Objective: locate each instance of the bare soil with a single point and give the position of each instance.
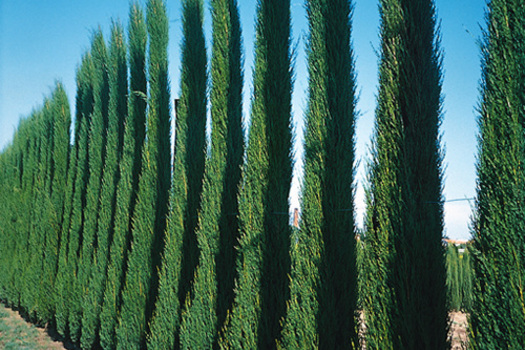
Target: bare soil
(458, 330)
(18, 333)
(44, 338)
(458, 334)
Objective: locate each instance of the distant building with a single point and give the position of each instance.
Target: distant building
(296, 218)
(461, 244)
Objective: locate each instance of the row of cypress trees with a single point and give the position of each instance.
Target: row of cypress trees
(34, 173)
(120, 246)
(459, 278)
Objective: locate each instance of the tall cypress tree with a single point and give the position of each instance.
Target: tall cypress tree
(213, 286)
(61, 284)
(17, 264)
(323, 279)
(14, 219)
(118, 90)
(180, 253)
(263, 263)
(466, 279)
(497, 318)
(68, 298)
(5, 209)
(130, 166)
(405, 302)
(11, 181)
(453, 277)
(149, 219)
(61, 119)
(19, 206)
(13, 222)
(96, 157)
(40, 223)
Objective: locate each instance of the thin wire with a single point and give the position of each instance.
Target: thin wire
(453, 200)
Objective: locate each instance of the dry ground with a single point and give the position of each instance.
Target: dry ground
(458, 330)
(18, 334)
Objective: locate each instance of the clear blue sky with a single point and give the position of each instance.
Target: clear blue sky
(42, 41)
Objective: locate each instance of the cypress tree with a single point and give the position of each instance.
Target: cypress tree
(72, 296)
(41, 214)
(405, 302)
(497, 317)
(129, 170)
(5, 177)
(6, 229)
(323, 279)
(24, 209)
(61, 284)
(96, 155)
(453, 277)
(188, 167)
(13, 185)
(27, 274)
(459, 278)
(118, 90)
(263, 263)
(8, 232)
(61, 119)
(18, 208)
(11, 218)
(149, 219)
(217, 234)
(466, 280)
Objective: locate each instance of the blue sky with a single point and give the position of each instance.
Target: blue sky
(42, 41)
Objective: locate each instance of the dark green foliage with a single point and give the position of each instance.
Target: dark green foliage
(263, 262)
(66, 295)
(9, 186)
(20, 200)
(180, 255)
(40, 224)
(213, 285)
(323, 278)
(453, 277)
(405, 300)
(12, 182)
(60, 282)
(190, 147)
(466, 279)
(360, 263)
(129, 170)
(497, 317)
(118, 90)
(35, 176)
(459, 278)
(96, 157)
(5, 229)
(149, 219)
(22, 162)
(70, 293)
(74, 196)
(33, 183)
(61, 120)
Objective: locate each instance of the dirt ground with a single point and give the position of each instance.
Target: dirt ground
(17, 333)
(24, 335)
(458, 330)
